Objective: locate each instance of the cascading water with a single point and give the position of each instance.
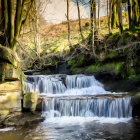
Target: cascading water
(76, 95)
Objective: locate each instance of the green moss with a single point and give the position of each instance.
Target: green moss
(119, 68)
(30, 101)
(76, 63)
(131, 74)
(113, 54)
(114, 36)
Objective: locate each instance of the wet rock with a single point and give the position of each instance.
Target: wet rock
(9, 56)
(8, 72)
(136, 105)
(30, 101)
(10, 100)
(22, 119)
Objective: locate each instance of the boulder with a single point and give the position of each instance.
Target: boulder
(9, 56)
(30, 101)
(8, 72)
(10, 98)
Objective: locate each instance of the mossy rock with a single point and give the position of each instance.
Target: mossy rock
(30, 101)
(8, 72)
(13, 85)
(10, 98)
(9, 56)
(77, 62)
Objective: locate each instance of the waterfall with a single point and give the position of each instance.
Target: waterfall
(65, 84)
(66, 97)
(120, 107)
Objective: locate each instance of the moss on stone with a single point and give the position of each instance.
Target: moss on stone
(30, 101)
(7, 55)
(8, 72)
(76, 62)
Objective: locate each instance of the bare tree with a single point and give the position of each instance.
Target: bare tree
(110, 15)
(92, 25)
(119, 9)
(68, 21)
(37, 37)
(99, 14)
(80, 27)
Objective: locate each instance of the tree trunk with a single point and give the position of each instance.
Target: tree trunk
(99, 14)
(114, 14)
(11, 23)
(109, 13)
(80, 27)
(130, 14)
(6, 16)
(135, 9)
(37, 37)
(92, 26)
(119, 9)
(68, 21)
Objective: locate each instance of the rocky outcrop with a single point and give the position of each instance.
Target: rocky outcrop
(9, 56)
(30, 101)
(10, 99)
(10, 82)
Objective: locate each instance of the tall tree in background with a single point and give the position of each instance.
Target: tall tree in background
(99, 13)
(37, 37)
(114, 21)
(68, 21)
(130, 13)
(135, 9)
(92, 18)
(119, 9)
(79, 17)
(110, 15)
(13, 15)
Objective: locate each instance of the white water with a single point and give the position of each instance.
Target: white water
(65, 99)
(66, 85)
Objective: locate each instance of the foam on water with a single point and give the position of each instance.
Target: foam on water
(66, 85)
(7, 129)
(82, 120)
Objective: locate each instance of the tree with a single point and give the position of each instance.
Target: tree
(135, 9)
(80, 28)
(12, 20)
(119, 9)
(109, 15)
(114, 14)
(92, 18)
(68, 21)
(130, 13)
(99, 13)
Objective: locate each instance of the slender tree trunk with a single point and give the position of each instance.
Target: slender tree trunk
(94, 12)
(92, 26)
(68, 21)
(11, 23)
(37, 37)
(6, 16)
(99, 14)
(80, 27)
(119, 9)
(130, 14)
(110, 15)
(135, 9)
(114, 14)
(126, 12)
(0, 14)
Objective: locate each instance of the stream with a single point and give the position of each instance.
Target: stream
(77, 107)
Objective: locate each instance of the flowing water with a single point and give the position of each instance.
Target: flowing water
(77, 107)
